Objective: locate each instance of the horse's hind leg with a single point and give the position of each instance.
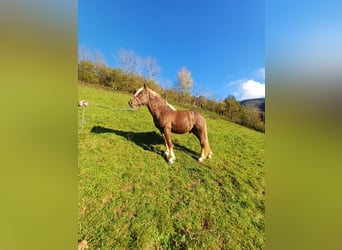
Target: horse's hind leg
(202, 157)
(201, 134)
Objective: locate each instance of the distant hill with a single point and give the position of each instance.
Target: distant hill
(257, 103)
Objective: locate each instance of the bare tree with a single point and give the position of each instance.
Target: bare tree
(99, 58)
(213, 97)
(138, 65)
(84, 54)
(151, 68)
(129, 62)
(185, 82)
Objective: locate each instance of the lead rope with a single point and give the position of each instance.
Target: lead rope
(84, 104)
(105, 107)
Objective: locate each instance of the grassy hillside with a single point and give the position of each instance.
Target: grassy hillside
(131, 198)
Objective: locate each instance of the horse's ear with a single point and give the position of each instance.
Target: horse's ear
(145, 87)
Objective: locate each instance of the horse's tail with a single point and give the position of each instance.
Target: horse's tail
(207, 150)
(200, 130)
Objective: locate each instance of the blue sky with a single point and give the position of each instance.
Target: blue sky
(220, 42)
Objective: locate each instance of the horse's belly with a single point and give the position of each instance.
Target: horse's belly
(182, 122)
(180, 128)
(178, 131)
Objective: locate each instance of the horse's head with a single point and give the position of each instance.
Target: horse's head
(140, 98)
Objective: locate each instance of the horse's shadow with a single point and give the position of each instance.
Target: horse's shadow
(146, 140)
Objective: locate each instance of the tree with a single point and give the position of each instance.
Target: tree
(102, 71)
(87, 72)
(211, 105)
(202, 102)
(104, 75)
(221, 107)
(84, 54)
(129, 62)
(233, 109)
(99, 58)
(151, 68)
(185, 82)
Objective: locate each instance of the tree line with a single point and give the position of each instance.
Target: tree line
(133, 72)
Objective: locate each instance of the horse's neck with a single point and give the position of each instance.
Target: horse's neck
(156, 105)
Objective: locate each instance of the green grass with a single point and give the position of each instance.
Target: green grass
(131, 198)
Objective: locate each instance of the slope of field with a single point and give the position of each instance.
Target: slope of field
(130, 197)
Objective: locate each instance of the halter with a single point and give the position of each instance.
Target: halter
(139, 103)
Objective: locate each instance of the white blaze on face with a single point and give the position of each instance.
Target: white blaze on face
(138, 91)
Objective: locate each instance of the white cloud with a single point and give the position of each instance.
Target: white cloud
(236, 82)
(252, 86)
(250, 89)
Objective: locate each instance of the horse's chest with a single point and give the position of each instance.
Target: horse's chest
(157, 123)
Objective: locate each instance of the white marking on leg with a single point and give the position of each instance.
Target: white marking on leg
(167, 152)
(202, 157)
(172, 156)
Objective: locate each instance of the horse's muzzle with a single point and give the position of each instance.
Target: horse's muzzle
(130, 103)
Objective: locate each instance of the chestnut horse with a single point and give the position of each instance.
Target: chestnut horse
(167, 119)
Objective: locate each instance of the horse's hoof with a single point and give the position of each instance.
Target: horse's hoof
(171, 161)
(200, 159)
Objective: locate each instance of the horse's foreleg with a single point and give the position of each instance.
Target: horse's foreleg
(202, 157)
(167, 152)
(168, 139)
